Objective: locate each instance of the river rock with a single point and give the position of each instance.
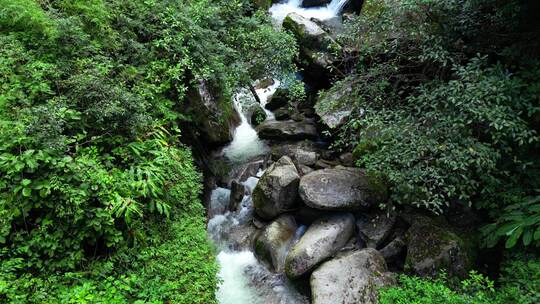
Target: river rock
(432, 247)
(341, 188)
(279, 99)
(275, 240)
(393, 250)
(374, 228)
(282, 114)
(237, 194)
(350, 279)
(335, 105)
(303, 157)
(315, 47)
(323, 238)
(277, 190)
(287, 130)
(212, 113)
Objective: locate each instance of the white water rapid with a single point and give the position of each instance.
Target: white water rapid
(280, 10)
(244, 279)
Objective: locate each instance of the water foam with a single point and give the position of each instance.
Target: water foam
(280, 10)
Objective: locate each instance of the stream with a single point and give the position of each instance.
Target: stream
(244, 280)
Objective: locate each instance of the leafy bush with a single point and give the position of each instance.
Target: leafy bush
(95, 182)
(519, 283)
(438, 112)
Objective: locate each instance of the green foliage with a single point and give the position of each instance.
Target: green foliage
(95, 183)
(518, 283)
(520, 220)
(475, 290)
(439, 113)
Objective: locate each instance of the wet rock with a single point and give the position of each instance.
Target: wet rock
(303, 170)
(210, 111)
(432, 247)
(341, 188)
(277, 190)
(237, 194)
(257, 116)
(335, 106)
(288, 148)
(323, 238)
(394, 249)
(374, 228)
(275, 240)
(315, 47)
(325, 164)
(303, 157)
(350, 279)
(279, 99)
(287, 130)
(347, 159)
(282, 114)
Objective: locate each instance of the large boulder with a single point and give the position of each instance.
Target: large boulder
(275, 240)
(316, 47)
(287, 130)
(374, 228)
(334, 106)
(432, 247)
(323, 239)
(350, 279)
(341, 188)
(212, 113)
(279, 99)
(277, 190)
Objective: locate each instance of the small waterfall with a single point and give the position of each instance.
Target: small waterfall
(280, 10)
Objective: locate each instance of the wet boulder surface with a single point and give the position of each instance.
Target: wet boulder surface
(351, 278)
(323, 238)
(340, 188)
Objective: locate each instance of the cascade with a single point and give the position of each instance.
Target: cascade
(280, 10)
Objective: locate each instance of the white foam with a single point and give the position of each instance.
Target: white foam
(280, 10)
(234, 287)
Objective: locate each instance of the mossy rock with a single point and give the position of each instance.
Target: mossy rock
(258, 116)
(433, 247)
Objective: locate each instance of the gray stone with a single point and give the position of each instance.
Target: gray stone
(277, 190)
(392, 251)
(375, 227)
(323, 238)
(350, 279)
(287, 130)
(341, 188)
(432, 247)
(275, 240)
(303, 157)
(237, 194)
(212, 113)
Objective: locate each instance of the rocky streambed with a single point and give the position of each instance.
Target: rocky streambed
(295, 222)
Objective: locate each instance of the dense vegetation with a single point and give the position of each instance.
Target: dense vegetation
(518, 284)
(446, 105)
(99, 198)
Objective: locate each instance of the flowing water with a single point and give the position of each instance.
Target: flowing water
(244, 279)
(280, 10)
